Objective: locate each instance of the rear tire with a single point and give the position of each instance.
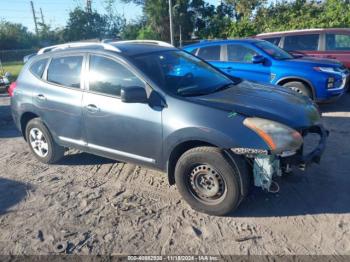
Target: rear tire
(209, 181)
(300, 88)
(41, 143)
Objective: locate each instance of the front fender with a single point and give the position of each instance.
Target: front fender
(240, 137)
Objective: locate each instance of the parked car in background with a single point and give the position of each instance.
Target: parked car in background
(333, 43)
(4, 79)
(259, 60)
(150, 103)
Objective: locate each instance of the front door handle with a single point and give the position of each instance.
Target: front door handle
(41, 97)
(92, 108)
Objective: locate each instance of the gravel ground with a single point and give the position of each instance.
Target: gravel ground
(92, 205)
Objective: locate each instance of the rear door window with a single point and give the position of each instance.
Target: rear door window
(211, 53)
(106, 76)
(38, 67)
(273, 40)
(65, 71)
(240, 53)
(337, 42)
(301, 42)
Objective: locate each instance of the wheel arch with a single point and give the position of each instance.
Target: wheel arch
(176, 154)
(24, 120)
(187, 145)
(285, 80)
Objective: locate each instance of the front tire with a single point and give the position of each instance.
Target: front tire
(209, 182)
(299, 87)
(41, 143)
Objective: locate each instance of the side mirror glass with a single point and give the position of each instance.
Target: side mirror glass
(133, 94)
(258, 59)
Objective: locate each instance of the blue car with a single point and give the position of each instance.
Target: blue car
(259, 60)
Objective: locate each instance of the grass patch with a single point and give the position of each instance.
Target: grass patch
(13, 67)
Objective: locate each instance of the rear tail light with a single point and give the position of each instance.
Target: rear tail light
(11, 88)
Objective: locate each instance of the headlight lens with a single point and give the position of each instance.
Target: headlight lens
(277, 136)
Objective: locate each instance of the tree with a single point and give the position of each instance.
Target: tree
(88, 25)
(15, 36)
(244, 8)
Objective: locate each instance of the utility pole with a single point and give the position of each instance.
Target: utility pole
(88, 6)
(42, 16)
(34, 17)
(171, 23)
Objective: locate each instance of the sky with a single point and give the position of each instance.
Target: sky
(55, 12)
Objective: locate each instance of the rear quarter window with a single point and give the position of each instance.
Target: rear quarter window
(301, 42)
(38, 67)
(211, 53)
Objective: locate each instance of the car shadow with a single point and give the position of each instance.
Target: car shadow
(7, 126)
(82, 158)
(341, 105)
(300, 194)
(11, 193)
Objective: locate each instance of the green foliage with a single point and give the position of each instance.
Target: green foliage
(242, 29)
(131, 31)
(196, 18)
(13, 67)
(147, 33)
(15, 36)
(298, 14)
(89, 25)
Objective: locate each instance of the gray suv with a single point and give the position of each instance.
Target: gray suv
(149, 103)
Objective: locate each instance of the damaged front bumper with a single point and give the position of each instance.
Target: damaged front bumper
(267, 165)
(300, 158)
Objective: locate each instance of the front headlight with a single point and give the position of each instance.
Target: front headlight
(277, 136)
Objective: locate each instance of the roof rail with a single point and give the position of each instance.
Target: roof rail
(155, 42)
(78, 44)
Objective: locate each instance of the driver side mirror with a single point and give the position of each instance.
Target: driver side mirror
(258, 59)
(133, 94)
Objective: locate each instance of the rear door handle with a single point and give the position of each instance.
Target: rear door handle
(92, 108)
(41, 97)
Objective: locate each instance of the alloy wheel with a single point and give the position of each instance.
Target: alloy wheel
(38, 142)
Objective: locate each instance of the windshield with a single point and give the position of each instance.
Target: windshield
(182, 74)
(274, 51)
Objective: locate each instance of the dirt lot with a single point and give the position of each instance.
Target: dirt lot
(87, 204)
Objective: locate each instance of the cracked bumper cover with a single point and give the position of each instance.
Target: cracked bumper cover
(315, 155)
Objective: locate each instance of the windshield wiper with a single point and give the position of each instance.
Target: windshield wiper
(223, 87)
(191, 91)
